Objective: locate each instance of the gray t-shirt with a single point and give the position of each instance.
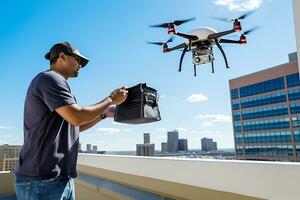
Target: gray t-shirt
(50, 143)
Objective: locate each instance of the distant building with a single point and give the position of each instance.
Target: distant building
(215, 146)
(79, 148)
(145, 149)
(182, 145)
(207, 144)
(164, 147)
(89, 148)
(9, 156)
(146, 138)
(172, 142)
(94, 150)
(266, 113)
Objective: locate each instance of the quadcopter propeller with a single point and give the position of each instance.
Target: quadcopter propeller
(170, 25)
(164, 44)
(232, 20)
(243, 35)
(177, 23)
(250, 30)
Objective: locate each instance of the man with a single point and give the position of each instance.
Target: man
(52, 122)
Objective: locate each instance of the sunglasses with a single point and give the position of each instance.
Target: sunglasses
(76, 58)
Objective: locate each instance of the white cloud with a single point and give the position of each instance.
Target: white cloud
(181, 129)
(215, 117)
(206, 124)
(197, 98)
(239, 5)
(163, 96)
(194, 131)
(117, 123)
(6, 135)
(108, 130)
(5, 127)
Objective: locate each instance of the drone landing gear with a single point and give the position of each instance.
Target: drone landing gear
(195, 70)
(222, 51)
(182, 55)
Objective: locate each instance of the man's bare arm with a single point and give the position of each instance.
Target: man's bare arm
(89, 125)
(77, 115)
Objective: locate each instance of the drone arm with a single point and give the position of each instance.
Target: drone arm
(181, 58)
(230, 41)
(222, 51)
(220, 34)
(189, 37)
(183, 45)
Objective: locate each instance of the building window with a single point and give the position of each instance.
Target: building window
(265, 112)
(296, 121)
(262, 87)
(294, 94)
(236, 116)
(293, 80)
(297, 136)
(239, 139)
(263, 100)
(295, 108)
(235, 93)
(237, 127)
(281, 123)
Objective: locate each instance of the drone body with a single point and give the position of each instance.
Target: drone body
(200, 41)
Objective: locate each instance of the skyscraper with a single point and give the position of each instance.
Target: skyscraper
(146, 138)
(207, 144)
(89, 148)
(182, 145)
(266, 113)
(164, 147)
(94, 150)
(9, 156)
(172, 143)
(79, 148)
(145, 149)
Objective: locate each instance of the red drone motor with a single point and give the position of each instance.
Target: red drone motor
(171, 29)
(243, 39)
(237, 26)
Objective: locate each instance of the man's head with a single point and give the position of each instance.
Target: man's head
(66, 59)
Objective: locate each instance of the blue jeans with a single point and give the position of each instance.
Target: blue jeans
(48, 189)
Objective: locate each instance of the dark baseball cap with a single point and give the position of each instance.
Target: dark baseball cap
(67, 49)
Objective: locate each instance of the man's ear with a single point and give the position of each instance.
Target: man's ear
(62, 56)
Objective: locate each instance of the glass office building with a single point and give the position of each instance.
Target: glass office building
(266, 113)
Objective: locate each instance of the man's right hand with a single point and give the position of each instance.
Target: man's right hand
(119, 95)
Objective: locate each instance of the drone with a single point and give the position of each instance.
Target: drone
(202, 40)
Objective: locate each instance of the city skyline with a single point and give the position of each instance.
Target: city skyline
(191, 107)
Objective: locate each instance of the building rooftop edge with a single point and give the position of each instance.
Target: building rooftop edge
(292, 62)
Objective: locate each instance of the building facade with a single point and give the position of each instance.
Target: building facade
(172, 142)
(146, 138)
(89, 148)
(95, 149)
(145, 149)
(266, 113)
(182, 145)
(164, 147)
(9, 157)
(207, 144)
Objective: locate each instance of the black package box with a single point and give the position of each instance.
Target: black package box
(140, 106)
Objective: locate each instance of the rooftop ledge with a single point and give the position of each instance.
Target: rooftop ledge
(132, 177)
(233, 179)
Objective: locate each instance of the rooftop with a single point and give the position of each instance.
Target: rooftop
(132, 177)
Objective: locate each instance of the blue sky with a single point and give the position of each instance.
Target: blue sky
(113, 34)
